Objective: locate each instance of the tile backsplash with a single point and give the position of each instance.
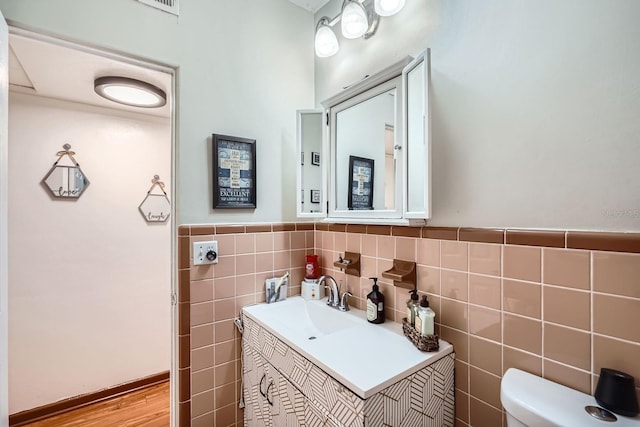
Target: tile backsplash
(557, 304)
(211, 296)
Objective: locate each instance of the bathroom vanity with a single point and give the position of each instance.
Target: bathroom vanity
(306, 364)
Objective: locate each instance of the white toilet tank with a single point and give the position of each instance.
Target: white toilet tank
(532, 401)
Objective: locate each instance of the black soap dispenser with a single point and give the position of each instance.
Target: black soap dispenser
(375, 304)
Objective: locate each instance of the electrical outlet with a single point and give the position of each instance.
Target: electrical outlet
(205, 253)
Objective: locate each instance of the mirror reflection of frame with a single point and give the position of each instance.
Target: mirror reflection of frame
(315, 158)
(360, 183)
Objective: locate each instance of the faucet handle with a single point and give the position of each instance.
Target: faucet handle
(344, 304)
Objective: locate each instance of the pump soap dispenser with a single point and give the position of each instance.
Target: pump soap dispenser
(412, 307)
(424, 318)
(375, 304)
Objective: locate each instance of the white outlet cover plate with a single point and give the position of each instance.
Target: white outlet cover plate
(200, 250)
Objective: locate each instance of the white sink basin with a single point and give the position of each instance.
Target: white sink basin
(363, 356)
(300, 319)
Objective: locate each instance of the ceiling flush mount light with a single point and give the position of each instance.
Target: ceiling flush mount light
(326, 42)
(135, 93)
(388, 7)
(354, 20)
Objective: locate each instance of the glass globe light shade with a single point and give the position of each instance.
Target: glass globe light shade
(326, 42)
(354, 20)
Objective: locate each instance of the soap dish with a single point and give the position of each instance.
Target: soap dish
(426, 343)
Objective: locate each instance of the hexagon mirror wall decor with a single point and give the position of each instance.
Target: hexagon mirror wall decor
(156, 207)
(65, 179)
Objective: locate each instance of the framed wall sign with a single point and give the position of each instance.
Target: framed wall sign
(360, 183)
(234, 172)
(315, 196)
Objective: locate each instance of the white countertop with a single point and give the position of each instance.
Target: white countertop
(364, 357)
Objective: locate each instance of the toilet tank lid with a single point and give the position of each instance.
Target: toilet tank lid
(533, 400)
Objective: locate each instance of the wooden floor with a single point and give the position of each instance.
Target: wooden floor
(148, 408)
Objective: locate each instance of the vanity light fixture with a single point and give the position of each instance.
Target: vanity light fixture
(127, 91)
(359, 18)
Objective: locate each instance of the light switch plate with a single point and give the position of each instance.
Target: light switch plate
(205, 253)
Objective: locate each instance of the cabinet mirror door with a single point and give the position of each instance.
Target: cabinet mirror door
(418, 138)
(311, 164)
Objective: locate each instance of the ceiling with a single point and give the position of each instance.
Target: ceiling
(63, 72)
(310, 5)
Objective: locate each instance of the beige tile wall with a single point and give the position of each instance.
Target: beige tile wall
(532, 304)
(210, 364)
(559, 313)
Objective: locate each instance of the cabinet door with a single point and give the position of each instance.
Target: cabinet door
(287, 402)
(417, 123)
(291, 408)
(255, 380)
(314, 417)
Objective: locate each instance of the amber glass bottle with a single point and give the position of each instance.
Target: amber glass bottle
(375, 304)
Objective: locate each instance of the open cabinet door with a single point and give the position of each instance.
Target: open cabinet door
(4, 276)
(417, 190)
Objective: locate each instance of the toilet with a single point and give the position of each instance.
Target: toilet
(532, 401)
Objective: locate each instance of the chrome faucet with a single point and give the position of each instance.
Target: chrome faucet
(335, 300)
(334, 291)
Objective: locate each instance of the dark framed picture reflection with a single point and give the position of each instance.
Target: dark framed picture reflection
(315, 196)
(234, 172)
(315, 158)
(360, 183)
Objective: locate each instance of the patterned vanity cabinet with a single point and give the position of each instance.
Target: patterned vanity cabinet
(283, 388)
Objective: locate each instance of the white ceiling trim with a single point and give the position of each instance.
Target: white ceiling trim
(18, 76)
(310, 5)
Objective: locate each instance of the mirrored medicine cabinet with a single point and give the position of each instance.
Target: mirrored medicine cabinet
(365, 156)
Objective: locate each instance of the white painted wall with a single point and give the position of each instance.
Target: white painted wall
(535, 107)
(90, 279)
(245, 66)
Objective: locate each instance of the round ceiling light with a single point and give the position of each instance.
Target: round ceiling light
(135, 93)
